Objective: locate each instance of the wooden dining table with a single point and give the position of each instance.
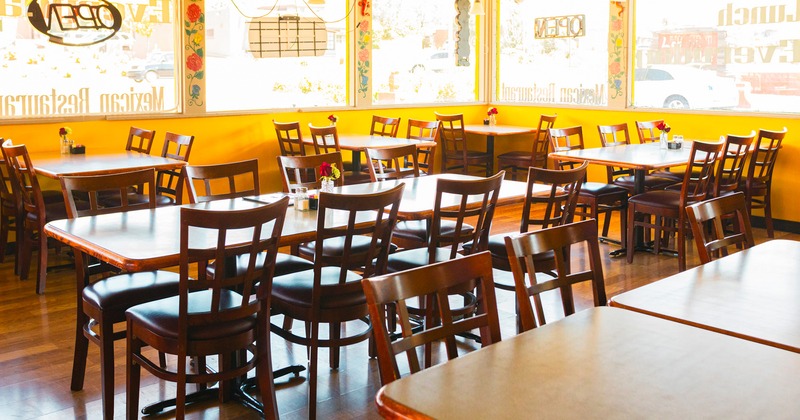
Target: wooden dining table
(357, 143)
(492, 131)
(604, 363)
(752, 294)
(56, 166)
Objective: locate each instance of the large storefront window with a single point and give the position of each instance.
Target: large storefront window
(725, 54)
(423, 51)
(553, 52)
(70, 58)
(283, 54)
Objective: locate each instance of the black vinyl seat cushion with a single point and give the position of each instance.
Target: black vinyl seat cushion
(335, 246)
(284, 264)
(417, 230)
(295, 289)
(126, 290)
(417, 257)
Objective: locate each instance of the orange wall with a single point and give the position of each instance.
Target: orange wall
(232, 138)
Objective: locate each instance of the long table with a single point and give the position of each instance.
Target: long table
(492, 131)
(753, 294)
(89, 164)
(604, 363)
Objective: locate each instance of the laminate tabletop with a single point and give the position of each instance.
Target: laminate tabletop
(498, 130)
(644, 156)
(605, 363)
(360, 142)
(753, 294)
(88, 164)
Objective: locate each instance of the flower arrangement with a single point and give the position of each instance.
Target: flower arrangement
(663, 126)
(328, 172)
(63, 131)
(332, 118)
(491, 111)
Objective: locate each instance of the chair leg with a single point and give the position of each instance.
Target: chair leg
(768, 215)
(681, 245)
(81, 352)
(313, 365)
(266, 383)
(5, 223)
(132, 376)
(333, 352)
(623, 227)
(180, 395)
(41, 273)
(107, 367)
(25, 254)
(631, 228)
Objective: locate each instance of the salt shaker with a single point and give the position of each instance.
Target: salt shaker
(301, 199)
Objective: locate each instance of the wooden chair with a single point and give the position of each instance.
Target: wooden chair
(102, 304)
(33, 210)
(169, 185)
(522, 251)
(595, 198)
(9, 212)
(427, 131)
(615, 135)
(668, 206)
(222, 315)
(303, 171)
(537, 157)
(384, 126)
(390, 162)
(331, 293)
(140, 140)
(290, 138)
(757, 187)
(220, 181)
(326, 140)
(454, 147)
(432, 282)
(714, 239)
(648, 133)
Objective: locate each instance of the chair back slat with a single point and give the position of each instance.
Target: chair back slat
(720, 223)
(426, 131)
(611, 136)
(384, 126)
(326, 139)
(731, 166)
(26, 189)
(169, 182)
(648, 131)
(764, 156)
(140, 140)
(699, 173)
(541, 141)
(557, 206)
(391, 162)
(290, 138)
(453, 136)
(220, 181)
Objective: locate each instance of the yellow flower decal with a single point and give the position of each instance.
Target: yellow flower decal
(197, 38)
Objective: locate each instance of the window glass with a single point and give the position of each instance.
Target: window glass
(283, 54)
(112, 59)
(723, 55)
(553, 52)
(414, 52)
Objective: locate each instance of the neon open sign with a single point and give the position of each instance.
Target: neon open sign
(76, 24)
(571, 26)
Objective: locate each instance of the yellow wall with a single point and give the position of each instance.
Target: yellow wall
(232, 138)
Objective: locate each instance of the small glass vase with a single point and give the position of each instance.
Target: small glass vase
(64, 143)
(327, 186)
(493, 119)
(663, 140)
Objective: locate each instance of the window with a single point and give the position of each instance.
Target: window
(724, 55)
(553, 52)
(289, 55)
(414, 55)
(90, 69)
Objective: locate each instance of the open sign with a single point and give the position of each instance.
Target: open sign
(571, 26)
(76, 24)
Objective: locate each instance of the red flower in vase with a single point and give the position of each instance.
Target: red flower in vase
(663, 126)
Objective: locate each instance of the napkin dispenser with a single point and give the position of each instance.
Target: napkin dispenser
(77, 149)
(674, 145)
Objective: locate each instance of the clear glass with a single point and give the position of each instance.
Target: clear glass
(414, 53)
(238, 78)
(132, 72)
(301, 198)
(723, 55)
(568, 70)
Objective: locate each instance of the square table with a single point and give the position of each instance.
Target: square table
(491, 131)
(88, 164)
(752, 294)
(604, 363)
(357, 143)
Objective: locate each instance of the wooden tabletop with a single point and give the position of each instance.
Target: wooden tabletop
(88, 164)
(498, 130)
(150, 239)
(753, 294)
(633, 156)
(359, 142)
(605, 363)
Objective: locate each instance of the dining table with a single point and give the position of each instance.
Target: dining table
(752, 294)
(357, 143)
(604, 363)
(56, 166)
(492, 131)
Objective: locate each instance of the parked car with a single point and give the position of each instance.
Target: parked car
(683, 87)
(158, 64)
(437, 62)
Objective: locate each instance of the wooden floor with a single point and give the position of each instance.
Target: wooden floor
(36, 345)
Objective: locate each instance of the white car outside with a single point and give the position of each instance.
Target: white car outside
(683, 87)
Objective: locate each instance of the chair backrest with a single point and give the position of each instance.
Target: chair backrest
(224, 180)
(169, 181)
(541, 141)
(715, 239)
(700, 170)
(611, 136)
(454, 138)
(384, 126)
(764, 156)
(432, 282)
(522, 250)
(427, 131)
(326, 139)
(7, 199)
(290, 138)
(254, 232)
(140, 140)
(556, 206)
(452, 203)
(372, 214)
(731, 166)
(563, 139)
(303, 171)
(648, 131)
(390, 162)
(25, 185)
(90, 186)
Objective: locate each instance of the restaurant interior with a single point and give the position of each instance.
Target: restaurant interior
(641, 344)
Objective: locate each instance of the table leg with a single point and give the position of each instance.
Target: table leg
(490, 151)
(356, 161)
